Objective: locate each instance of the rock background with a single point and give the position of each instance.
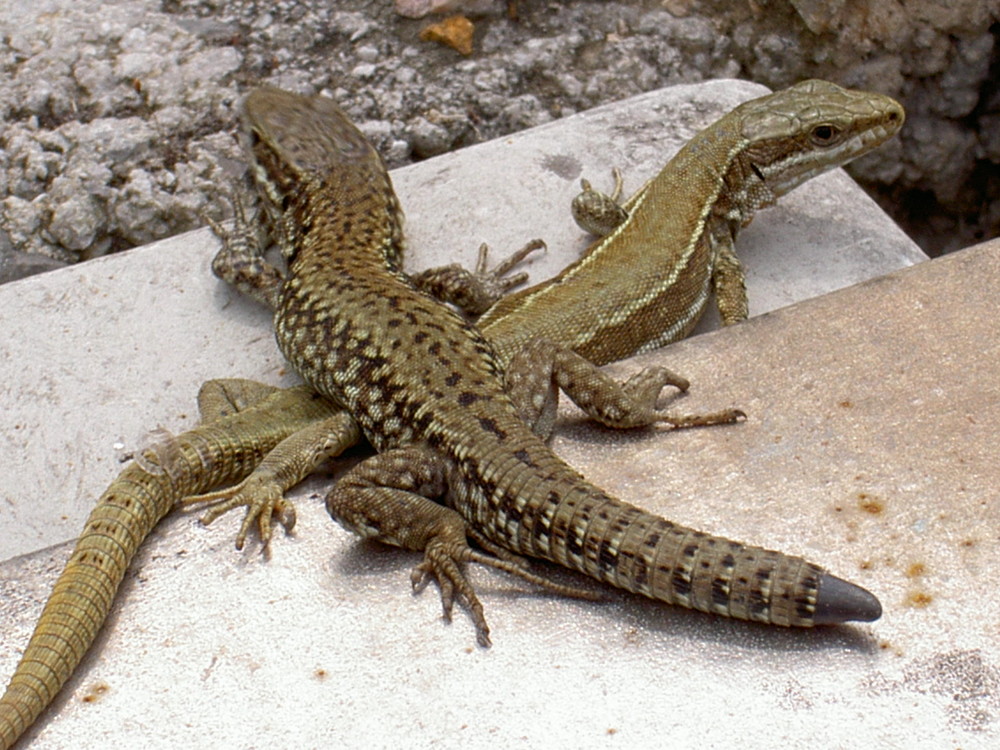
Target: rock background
(116, 117)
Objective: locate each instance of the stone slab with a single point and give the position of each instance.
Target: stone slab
(870, 448)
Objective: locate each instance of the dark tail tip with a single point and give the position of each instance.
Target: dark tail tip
(840, 601)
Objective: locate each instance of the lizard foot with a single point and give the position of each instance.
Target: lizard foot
(541, 369)
(442, 561)
(240, 261)
(474, 292)
(495, 280)
(391, 497)
(644, 389)
(597, 213)
(263, 499)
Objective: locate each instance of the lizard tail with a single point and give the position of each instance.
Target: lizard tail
(643, 553)
(216, 453)
(210, 455)
(125, 514)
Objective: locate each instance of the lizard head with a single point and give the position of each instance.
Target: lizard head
(812, 127)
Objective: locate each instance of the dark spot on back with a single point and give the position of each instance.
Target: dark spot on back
(524, 457)
(490, 426)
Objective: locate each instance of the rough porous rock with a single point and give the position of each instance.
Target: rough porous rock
(116, 118)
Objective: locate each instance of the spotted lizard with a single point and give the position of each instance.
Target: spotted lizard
(457, 459)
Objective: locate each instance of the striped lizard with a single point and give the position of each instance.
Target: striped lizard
(675, 236)
(857, 122)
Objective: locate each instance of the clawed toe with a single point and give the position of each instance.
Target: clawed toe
(263, 501)
(444, 567)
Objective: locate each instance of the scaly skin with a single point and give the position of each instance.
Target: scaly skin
(225, 451)
(220, 452)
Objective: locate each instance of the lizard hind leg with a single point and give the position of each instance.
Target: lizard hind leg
(223, 397)
(390, 498)
(541, 369)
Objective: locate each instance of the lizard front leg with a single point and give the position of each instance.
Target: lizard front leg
(728, 278)
(474, 292)
(240, 260)
(263, 492)
(601, 214)
(596, 212)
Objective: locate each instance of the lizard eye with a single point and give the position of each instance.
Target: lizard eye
(824, 135)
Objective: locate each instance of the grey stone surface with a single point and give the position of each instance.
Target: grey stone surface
(856, 453)
(867, 449)
(17, 265)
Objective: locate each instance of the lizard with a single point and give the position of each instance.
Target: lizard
(245, 426)
(18, 708)
(676, 234)
(675, 237)
(455, 458)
